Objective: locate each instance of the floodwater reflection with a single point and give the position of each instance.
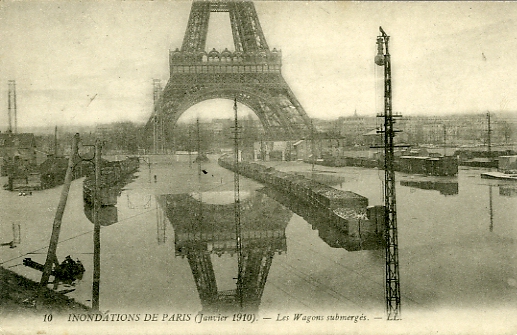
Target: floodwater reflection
(203, 230)
(508, 190)
(333, 233)
(444, 187)
(108, 197)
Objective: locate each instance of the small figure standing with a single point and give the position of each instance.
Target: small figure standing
(155, 179)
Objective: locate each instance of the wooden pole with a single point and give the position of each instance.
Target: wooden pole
(56, 228)
(55, 142)
(96, 230)
(489, 137)
(237, 207)
(444, 140)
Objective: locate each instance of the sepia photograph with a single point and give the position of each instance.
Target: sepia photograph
(258, 167)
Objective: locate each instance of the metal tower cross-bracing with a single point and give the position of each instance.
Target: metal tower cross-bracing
(392, 288)
(250, 72)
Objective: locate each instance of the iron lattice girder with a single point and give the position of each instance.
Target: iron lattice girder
(392, 293)
(197, 27)
(246, 30)
(248, 26)
(252, 73)
(267, 94)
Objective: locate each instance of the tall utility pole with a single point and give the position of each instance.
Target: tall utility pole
(392, 294)
(154, 133)
(198, 135)
(198, 148)
(12, 109)
(96, 229)
(157, 122)
(444, 140)
(491, 208)
(189, 146)
(489, 140)
(237, 206)
(313, 160)
(55, 141)
(56, 227)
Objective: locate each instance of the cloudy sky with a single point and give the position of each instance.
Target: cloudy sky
(86, 62)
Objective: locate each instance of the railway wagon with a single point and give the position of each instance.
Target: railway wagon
(305, 189)
(434, 166)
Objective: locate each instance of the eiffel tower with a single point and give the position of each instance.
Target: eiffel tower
(251, 74)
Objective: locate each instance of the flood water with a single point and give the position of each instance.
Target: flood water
(172, 247)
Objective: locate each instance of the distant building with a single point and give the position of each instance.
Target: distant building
(352, 128)
(103, 131)
(302, 149)
(21, 145)
(373, 138)
(273, 151)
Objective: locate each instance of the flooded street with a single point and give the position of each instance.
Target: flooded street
(173, 247)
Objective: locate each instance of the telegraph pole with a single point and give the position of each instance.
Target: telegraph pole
(199, 170)
(157, 121)
(313, 160)
(198, 148)
(392, 294)
(154, 133)
(489, 140)
(189, 146)
(55, 142)
(237, 206)
(444, 140)
(96, 229)
(56, 227)
(491, 208)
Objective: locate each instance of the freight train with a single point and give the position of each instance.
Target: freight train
(297, 185)
(114, 175)
(345, 210)
(431, 166)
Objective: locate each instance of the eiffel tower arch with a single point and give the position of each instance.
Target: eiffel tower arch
(251, 74)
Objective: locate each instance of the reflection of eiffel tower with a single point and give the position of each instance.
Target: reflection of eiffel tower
(263, 234)
(256, 264)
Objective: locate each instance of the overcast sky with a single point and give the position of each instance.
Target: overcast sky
(93, 61)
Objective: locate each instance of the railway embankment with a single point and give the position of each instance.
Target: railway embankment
(19, 295)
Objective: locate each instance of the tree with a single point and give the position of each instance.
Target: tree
(507, 131)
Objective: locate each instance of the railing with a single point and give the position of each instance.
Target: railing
(225, 68)
(224, 62)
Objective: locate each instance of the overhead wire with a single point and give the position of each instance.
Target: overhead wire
(71, 238)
